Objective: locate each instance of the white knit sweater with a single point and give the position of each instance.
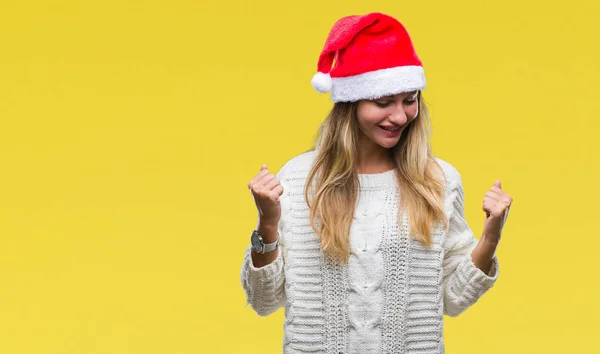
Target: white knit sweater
(391, 296)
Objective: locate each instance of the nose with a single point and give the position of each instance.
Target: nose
(398, 116)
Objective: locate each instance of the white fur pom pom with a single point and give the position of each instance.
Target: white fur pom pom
(321, 82)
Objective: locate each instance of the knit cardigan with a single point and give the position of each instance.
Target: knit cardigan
(392, 294)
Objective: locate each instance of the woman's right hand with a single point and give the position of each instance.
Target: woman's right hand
(266, 190)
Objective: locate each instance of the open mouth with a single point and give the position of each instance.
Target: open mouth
(390, 129)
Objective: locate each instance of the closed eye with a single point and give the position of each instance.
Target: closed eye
(388, 103)
(383, 104)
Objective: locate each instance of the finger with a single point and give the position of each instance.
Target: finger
(493, 195)
(500, 195)
(487, 213)
(498, 184)
(266, 179)
(258, 177)
(260, 187)
(502, 198)
(505, 215)
(496, 209)
(485, 207)
(498, 190)
(276, 192)
(272, 184)
(264, 167)
(489, 206)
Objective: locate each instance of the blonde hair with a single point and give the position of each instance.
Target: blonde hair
(333, 180)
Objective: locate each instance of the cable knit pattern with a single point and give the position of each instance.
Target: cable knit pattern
(391, 296)
(366, 262)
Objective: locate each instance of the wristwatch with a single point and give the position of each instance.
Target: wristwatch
(259, 246)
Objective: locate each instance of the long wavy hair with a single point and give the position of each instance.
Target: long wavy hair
(332, 186)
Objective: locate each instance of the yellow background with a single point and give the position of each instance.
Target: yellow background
(129, 130)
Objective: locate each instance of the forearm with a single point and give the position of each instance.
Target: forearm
(268, 231)
(483, 253)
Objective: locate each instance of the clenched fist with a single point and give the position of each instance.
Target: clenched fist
(496, 205)
(266, 189)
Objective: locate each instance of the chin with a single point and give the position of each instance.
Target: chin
(389, 143)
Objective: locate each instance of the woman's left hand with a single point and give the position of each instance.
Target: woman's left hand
(496, 205)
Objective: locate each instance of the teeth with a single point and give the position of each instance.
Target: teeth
(390, 129)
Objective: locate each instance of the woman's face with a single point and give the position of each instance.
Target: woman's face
(384, 119)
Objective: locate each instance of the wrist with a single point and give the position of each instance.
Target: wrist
(269, 223)
(490, 240)
(268, 231)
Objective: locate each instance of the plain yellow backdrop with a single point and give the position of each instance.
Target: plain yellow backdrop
(129, 130)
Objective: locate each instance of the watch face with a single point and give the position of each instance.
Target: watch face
(256, 244)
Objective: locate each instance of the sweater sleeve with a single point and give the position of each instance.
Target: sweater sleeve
(264, 286)
(463, 282)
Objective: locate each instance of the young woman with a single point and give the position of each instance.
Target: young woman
(363, 240)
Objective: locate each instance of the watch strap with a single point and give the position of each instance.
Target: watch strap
(270, 247)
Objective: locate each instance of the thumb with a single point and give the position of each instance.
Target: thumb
(497, 184)
(263, 167)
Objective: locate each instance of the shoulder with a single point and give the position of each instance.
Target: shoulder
(301, 163)
(451, 173)
(454, 197)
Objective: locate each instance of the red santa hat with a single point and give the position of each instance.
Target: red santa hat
(372, 56)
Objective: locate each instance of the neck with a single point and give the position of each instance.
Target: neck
(373, 158)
